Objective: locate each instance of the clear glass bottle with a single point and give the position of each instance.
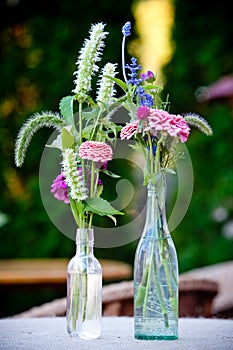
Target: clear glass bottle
(84, 289)
(156, 272)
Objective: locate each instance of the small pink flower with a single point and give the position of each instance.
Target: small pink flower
(95, 151)
(143, 112)
(128, 130)
(59, 188)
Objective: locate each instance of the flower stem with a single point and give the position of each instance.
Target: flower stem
(148, 281)
(80, 139)
(96, 123)
(123, 59)
(84, 288)
(80, 122)
(169, 274)
(151, 154)
(148, 271)
(160, 296)
(92, 194)
(157, 155)
(76, 294)
(164, 251)
(90, 220)
(75, 212)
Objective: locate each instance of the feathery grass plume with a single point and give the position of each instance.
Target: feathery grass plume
(106, 86)
(74, 178)
(34, 123)
(86, 63)
(199, 122)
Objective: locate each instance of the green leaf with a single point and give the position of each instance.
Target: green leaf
(113, 219)
(80, 206)
(91, 113)
(138, 148)
(66, 108)
(111, 174)
(169, 171)
(101, 207)
(91, 101)
(140, 295)
(110, 128)
(132, 108)
(151, 87)
(99, 190)
(146, 176)
(74, 210)
(87, 131)
(119, 82)
(67, 137)
(57, 143)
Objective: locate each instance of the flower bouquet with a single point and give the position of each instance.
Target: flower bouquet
(156, 133)
(85, 140)
(84, 143)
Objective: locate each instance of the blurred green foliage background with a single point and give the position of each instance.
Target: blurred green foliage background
(202, 37)
(39, 46)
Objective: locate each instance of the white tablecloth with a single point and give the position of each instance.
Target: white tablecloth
(117, 333)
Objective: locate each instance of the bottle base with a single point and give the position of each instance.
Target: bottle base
(155, 337)
(155, 329)
(85, 336)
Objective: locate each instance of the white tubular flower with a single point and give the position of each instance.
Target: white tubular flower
(74, 179)
(86, 63)
(106, 85)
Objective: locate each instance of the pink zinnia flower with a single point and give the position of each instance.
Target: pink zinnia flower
(143, 112)
(159, 120)
(128, 130)
(174, 125)
(95, 151)
(179, 127)
(59, 188)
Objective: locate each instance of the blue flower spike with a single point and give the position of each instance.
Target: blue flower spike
(126, 29)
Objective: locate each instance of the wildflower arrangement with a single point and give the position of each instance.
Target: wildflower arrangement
(86, 138)
(85, 141)
(155, 132)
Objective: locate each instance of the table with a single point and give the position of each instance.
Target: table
(53, 271)
(117, 334)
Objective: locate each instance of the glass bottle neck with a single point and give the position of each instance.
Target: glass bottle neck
(156, 221)
(84, 241)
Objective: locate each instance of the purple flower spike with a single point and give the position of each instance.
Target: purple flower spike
(126, 29)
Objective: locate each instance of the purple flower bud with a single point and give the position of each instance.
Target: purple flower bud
(59, 189)
(149, 76)
(143, 112)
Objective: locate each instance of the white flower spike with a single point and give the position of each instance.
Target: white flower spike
(86, 63)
